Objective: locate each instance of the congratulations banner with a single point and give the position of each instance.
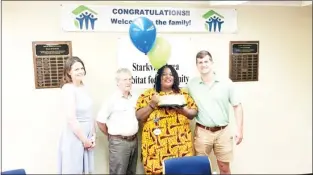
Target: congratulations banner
(99, 18)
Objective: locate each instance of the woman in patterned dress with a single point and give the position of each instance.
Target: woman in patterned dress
(166, 130)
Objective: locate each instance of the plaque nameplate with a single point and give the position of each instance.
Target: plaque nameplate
(49, 58)
(52, 49)
(245, 48)
(244, 61)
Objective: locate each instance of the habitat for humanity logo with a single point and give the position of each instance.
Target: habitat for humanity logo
(84, 17)
(213, 21)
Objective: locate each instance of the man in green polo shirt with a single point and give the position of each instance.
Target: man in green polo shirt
(213, 96)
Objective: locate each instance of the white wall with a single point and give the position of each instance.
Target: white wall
(277, 108)
(1, 82)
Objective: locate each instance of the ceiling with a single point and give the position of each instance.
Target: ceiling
(278, 3)
(236, 3)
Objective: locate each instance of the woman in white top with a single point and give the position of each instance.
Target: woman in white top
(77, 141)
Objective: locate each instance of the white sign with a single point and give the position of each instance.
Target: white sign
(143, 73)
(99, 18)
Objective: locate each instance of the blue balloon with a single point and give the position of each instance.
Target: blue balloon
(142, 33)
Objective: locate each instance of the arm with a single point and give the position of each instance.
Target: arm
(191, 110)
(94, 129)
(102, 118)
(146, 104)
(143, 113)
(238, 112)
(189, 113)
(234, 99)
(93, 136)
(103, 128)
(69, 105)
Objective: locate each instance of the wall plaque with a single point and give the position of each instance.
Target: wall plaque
(244, 61)
(49, 58)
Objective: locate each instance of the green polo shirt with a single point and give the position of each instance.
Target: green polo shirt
(213, 100)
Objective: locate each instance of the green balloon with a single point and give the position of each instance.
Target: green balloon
(160, 53)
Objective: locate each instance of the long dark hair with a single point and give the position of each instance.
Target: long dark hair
(157, 84)
(67, 68)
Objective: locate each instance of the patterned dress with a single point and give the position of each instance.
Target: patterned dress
(175, 139)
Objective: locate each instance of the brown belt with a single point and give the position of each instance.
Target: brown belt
(213, 129)
(128, 138)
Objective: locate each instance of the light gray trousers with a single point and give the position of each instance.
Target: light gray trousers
(123, 156)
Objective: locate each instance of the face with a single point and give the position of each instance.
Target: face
(167, 79)
(204, 65)
(124, 82)
(77, 72)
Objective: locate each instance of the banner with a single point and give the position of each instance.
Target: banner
(143, 73)
(99, 18)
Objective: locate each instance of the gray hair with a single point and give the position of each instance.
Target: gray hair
(121, 70)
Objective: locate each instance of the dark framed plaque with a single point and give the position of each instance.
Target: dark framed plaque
(244, 61)
(48, 59)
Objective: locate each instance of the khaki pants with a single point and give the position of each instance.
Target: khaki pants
(220, 141)
(123, 156)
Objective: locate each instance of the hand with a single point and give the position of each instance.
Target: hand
(87, 143)
(93, 141)
(93, 137)
(154, 100)
(238, 137)
(93, 145)
(180, 109)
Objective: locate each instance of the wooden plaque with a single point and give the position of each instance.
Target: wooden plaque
(244, 61)
(49, 58)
